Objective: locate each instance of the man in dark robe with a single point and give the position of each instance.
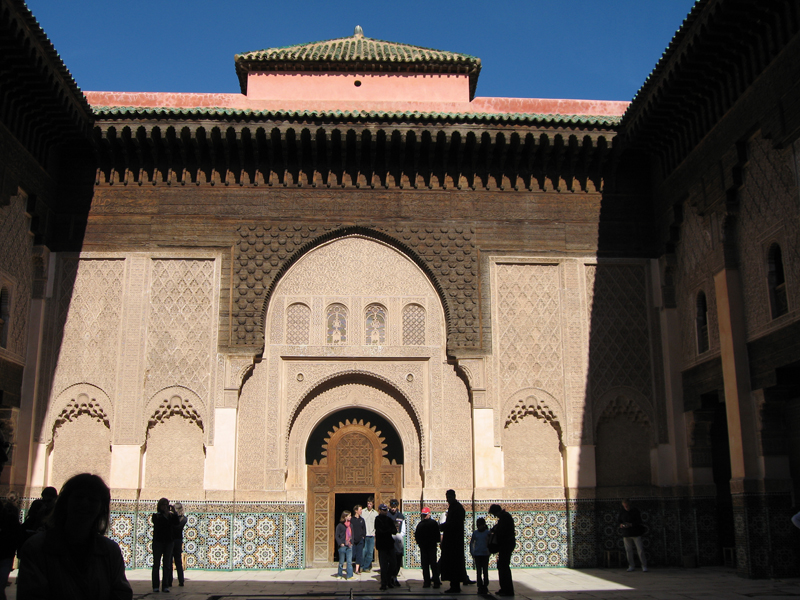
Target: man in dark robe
(452, 563)
(384, 543)
(505, 534)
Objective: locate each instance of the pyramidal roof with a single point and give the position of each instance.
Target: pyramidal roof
(357, 53)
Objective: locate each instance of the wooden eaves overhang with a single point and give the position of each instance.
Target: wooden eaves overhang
(719, 51)
(170, 146)
(40, 103)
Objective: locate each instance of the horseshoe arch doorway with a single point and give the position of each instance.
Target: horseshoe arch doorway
(351, 455)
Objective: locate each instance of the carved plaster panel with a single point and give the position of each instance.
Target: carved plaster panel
(695, 256)
(16, 262)
(455, 442)
(345, 396)
(528, 331)
(768, 214)
(302, 376)
(90, 305)
(264, 250)
(181, 341)
(619, 338)
(252, 431)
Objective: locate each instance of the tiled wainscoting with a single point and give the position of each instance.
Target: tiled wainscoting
(575, 533)
(218, 535)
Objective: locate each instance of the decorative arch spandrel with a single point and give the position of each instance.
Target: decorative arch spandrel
(349, 395)
(81, 398)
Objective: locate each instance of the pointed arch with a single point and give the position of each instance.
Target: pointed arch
(355, 230)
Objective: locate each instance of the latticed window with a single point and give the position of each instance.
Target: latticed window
(702, 323)
(413, 325)
(298, 320)
(375, 325)
(776, 279)
(337, 324)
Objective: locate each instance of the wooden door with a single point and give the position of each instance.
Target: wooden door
(353, 462)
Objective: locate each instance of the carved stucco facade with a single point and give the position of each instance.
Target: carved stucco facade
(141, 370)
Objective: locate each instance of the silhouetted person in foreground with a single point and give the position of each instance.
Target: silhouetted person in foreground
(427, 537)
(10, 535)
(72, 559)
(39, 512)
(452, 565)
(164, 522)
(384, 544)
(630, 525)
(505, 536)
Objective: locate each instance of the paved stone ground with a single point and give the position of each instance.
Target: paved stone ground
(555, 584)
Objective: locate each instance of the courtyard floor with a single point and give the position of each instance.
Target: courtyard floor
(710, 583)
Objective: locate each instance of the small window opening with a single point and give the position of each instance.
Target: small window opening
(702, 323)
(777, 282)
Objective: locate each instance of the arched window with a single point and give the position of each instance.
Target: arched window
(777, 282)
(298, 320)
(702, 323)
(5, 309)
(336, 322)
(413, 325)
(375, 325)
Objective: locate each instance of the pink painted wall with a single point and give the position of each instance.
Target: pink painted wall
(358, 87)
(242, 102)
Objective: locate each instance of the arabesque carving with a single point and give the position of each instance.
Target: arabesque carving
(448, 253)
(349, 395)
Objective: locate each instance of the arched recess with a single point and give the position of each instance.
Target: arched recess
(625, 435)
(348, 391)
(177, 400)
(80, 434)
(358, 231)
(632, 396)
(533, 442)
(175, 441)
(81, 397)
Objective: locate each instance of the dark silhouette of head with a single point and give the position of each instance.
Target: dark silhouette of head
(79, 489)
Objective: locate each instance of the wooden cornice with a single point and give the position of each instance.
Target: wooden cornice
(722, 48)
(356, 155)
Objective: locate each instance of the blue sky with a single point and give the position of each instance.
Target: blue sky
(593, 49)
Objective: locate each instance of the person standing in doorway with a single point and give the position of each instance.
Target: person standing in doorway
(427, 537)
(630, 525)
(369, 515)
(506, 539)
(344, 545)
(384, 543)
(359, 528)
(453, 565)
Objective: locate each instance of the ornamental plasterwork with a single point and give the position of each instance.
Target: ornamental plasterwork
(81, 398)
(345, 396)
(619, 338)
(16, 248)
(768, 214)
(355, 266)
(302, 377)
(90, 305)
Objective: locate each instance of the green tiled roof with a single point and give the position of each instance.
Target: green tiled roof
(357, 53)
(128, 112)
